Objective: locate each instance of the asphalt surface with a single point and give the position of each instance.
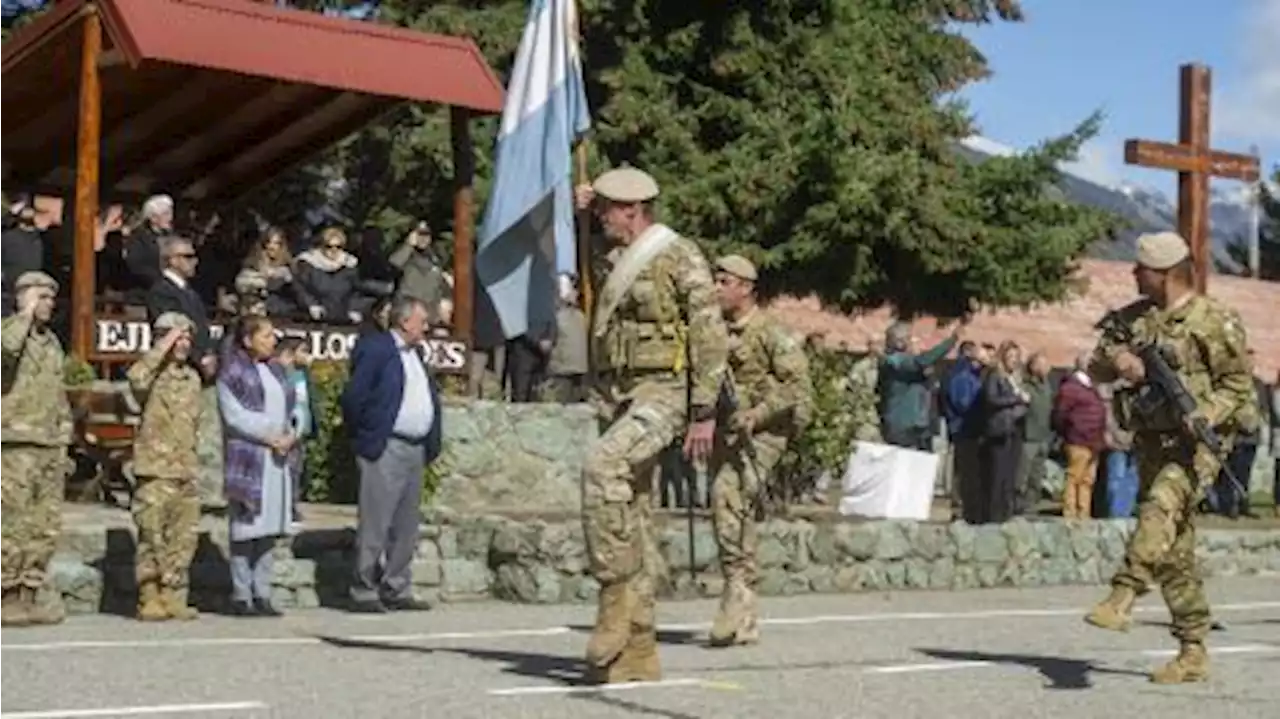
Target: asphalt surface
(985, 654)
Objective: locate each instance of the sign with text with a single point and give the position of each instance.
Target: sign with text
(124, 339)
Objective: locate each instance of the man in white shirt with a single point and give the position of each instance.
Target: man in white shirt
(391, 411)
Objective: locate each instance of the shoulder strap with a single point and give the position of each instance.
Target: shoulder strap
(633, 261)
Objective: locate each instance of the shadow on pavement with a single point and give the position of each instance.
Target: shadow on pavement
(665, 636)
(1062, 673)
(565, 671)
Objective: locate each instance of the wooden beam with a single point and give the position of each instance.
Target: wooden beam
(463, 225)
(233, 125)
(88, 146)
(301, 131)
(1169, 156)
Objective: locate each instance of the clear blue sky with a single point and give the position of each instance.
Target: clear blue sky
(1071, 57)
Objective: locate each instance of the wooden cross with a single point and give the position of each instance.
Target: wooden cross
(1195, 162)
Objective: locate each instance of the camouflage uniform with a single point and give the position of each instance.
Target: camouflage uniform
(1209, 345)
(654, 335)
(166, 505)
(864, 383)
(771, 379)
(36, 433)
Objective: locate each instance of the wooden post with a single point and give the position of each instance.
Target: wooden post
(1195, 162)
(88, 148)
(586, 284)
(464, 231)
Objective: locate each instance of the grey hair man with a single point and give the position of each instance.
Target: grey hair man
(142, 251)
(391, 412)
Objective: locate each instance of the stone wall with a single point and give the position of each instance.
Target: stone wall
(502, 457)
(540, 561)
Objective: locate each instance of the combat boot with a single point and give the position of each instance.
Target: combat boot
(174, 601)
(151, 607)
(13, 611)
(1115, 612)
(50, 612)
(1191, 665)
(613, 625)
(638, 661)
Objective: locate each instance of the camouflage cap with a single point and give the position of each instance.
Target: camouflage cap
(626, 184)
(1162, 250)
(738, 266)
(35, 279)
(173, 320)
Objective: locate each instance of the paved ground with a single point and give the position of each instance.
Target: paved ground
(983, 655)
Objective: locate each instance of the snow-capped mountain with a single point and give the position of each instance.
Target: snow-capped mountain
(1145, 209)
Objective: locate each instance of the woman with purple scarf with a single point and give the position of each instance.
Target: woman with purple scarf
(256, 402)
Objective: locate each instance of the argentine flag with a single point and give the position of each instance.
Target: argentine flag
(527, 234)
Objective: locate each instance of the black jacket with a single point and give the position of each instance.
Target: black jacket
(167, 296)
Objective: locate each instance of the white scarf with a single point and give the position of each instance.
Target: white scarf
(634, 259)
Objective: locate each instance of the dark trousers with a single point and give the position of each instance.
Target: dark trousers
(388, 521)
(917, 438)
(526, 366)
(1001, 457)
(966, 478)
(1031, 476)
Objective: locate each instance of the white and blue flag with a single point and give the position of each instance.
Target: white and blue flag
(527, 235)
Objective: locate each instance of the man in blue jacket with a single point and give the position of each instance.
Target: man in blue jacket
(391, 410)
(962, 408)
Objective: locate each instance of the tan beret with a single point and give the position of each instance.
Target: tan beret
(35, 279)
(173, 320)
(1162, 250)
(738, 266)
(626, 184)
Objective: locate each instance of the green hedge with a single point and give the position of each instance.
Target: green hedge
(331, 474)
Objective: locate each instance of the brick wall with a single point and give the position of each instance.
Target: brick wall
(1061, 330)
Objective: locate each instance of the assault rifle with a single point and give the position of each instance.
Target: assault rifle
(1163, 388)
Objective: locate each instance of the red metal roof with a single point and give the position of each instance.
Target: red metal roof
(206, 98)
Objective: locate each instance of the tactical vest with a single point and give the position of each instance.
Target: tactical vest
(647, 332)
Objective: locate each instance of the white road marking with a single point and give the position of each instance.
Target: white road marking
(135, 711)
(882, 617)
(622, 686)
(926, 667)
(1240, 649)
(276, 641)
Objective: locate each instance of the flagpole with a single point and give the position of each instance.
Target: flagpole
(586, 284)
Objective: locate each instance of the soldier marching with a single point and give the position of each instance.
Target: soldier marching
(772, 402)
(661, 346)
(1210, 356)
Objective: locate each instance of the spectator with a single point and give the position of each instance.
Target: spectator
(962, 408)
(142, 253)
(23, 249)
(270, 258)
(420, 275)
(1004, 403)
(1121, 466)
(1224, 496)
(173, 293)
(904, 387)
(1037, 431)
(379, 319)
(1275, 442)
(256, 402)
(1080, 417)
(567, 368)
(375, 266)
(391, 410)
(527, 357)
(326, 280)
(294, 357)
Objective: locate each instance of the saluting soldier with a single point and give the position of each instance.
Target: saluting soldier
(772, 401)
(36, 433)
(166, 504)
(1206, 345)
(661, 345)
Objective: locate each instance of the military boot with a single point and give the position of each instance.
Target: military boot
(735, 622)
(638, 661)
(1191, 665)
(13, 611)
(174, 601)
(613, 625)
(1115, 612)
(48, 612)
(151, 606)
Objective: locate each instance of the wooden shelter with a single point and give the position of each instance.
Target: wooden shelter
(205, 100)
